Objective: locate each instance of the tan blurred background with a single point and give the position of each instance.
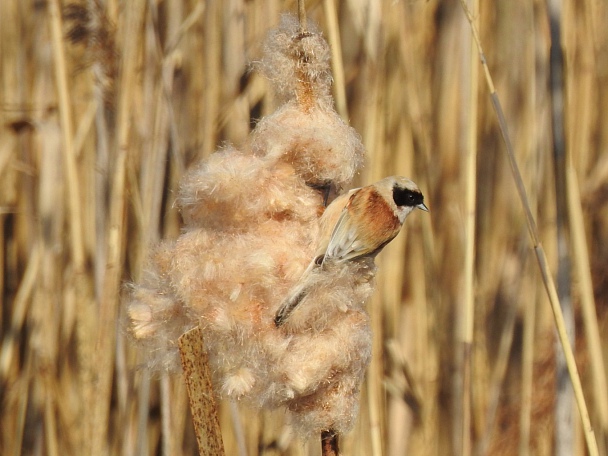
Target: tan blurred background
(104, 104)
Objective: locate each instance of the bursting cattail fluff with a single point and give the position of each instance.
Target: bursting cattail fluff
(251, 227)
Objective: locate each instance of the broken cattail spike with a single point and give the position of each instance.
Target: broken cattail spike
(302, 16)
(200, 393)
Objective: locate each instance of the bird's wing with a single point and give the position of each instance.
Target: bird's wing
(344, 243)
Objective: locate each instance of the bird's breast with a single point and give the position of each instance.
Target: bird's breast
(381, 222)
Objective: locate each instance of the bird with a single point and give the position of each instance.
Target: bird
(356, 225)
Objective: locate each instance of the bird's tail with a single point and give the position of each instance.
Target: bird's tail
(295, 296)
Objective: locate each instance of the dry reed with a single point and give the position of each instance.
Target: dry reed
(89, 173)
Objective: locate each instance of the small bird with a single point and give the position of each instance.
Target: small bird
(357, 225)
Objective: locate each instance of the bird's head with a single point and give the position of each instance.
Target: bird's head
(403, 193)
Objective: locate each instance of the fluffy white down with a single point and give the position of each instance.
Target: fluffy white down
(251, 226)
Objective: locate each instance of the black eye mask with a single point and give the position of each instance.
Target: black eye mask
(407, 197)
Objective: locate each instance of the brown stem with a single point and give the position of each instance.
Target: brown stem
(329, 443)
(200, 393)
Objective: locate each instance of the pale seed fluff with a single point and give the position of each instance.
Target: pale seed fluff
(292, 58)
(251, 219)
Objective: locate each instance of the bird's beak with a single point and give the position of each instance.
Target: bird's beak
(422, 207)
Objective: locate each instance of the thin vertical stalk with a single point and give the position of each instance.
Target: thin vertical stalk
(498, 375)
(239, 430)
(168, 439)
(65, 114)
(143, 396)
(302, 16)
(564, 429)
(105, 340)
(374, 128)
(337, 65)
(470, 171)
(50, 423)
(527, 374)
(211, 77)
(583, 274)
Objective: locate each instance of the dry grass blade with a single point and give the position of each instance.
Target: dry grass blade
(527, 380)
(540, 253)
(337, 64)
(498, 376)
(19, 311)
(581, 264)
(190, 21)
(65, 112)
(200, 393)
(468, 297)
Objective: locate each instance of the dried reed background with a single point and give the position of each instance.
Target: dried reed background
(95, 136)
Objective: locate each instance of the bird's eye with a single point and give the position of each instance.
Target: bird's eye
(406, 197)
